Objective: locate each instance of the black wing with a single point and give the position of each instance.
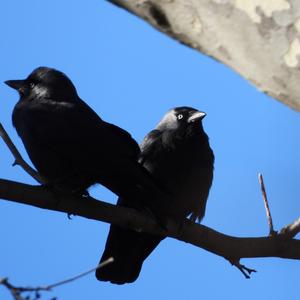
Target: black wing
(129, 248)
(150, 145)
(65, 129)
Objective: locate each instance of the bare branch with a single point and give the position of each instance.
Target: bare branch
(229, 247)
(13, 290)
(103, 264)
(272, 232)
(18, 158)
(17, 291)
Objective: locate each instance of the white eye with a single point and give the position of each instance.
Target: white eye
(179, 117)
(31, 85)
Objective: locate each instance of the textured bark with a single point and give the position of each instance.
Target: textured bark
(260, 39)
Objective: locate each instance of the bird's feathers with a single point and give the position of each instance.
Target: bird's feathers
(178, 156)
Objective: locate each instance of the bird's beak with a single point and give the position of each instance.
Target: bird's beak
(195, 116)
(15, 84)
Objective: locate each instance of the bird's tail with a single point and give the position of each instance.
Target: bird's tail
(129, 250)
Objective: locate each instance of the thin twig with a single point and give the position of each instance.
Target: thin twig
(245, 271)
(18, 158)
(103, 264)
(272, 232)
(16, 291)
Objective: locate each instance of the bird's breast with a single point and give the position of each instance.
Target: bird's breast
(186, 172)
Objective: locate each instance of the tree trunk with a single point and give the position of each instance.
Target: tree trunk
(260, 39)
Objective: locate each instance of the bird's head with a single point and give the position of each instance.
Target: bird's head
(45, 82)
(181, 118)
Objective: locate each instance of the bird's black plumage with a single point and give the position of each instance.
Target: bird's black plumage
(178, 156)
(70, 145)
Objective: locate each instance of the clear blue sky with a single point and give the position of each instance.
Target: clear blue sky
(131, 75)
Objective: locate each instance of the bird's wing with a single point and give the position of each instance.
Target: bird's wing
(149, 144)
(76, 126)
(123, 140)
(111, 138)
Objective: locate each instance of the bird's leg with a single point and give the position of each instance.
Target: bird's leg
(146, 203)
(163, 219)
(159, 218)
(59, 189)
(63, 184)
(85, 194)
(80, 193)
(180, 224)
(159, 212)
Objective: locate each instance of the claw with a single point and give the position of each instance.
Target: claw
(70, 216)
(85, 194)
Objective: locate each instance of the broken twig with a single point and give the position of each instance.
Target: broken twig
(272, 232)
(18, 158)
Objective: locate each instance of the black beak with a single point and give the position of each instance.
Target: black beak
(15, 84)
(195, 116)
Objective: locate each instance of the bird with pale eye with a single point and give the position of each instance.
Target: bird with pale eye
(72, 147)
(178, 156)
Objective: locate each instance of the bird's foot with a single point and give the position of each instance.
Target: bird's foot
(61, 192)
(85, 194)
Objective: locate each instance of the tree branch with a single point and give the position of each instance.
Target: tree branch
(18, 158)
(229, 247)
(34, 292)
(266, 203)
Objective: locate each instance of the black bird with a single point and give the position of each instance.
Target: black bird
(178, 156)
(71, 146)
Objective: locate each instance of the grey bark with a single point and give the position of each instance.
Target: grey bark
(260, 39)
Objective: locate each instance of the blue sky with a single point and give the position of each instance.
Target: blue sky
(131, 75)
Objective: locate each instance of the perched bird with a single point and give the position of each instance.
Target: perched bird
(178, 156)
(71, 146)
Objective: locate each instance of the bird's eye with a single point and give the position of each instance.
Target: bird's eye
(31, 85)
(179, 117)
